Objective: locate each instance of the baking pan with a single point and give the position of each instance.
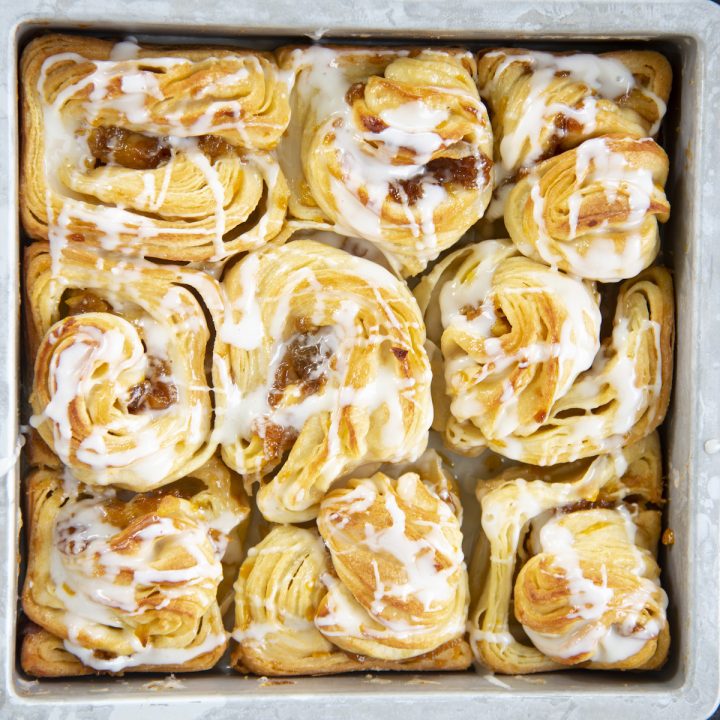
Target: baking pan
(688, 33)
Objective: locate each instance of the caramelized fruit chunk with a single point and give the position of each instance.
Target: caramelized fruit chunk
(117, 146)
(78, 302)
(153, 392)
(214, 147)
(305, 363)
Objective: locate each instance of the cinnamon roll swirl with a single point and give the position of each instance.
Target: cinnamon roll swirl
(565, 572)
(162, 152)
(593, 211)
(386, 590)
(523, 370)
(543, 103)
(119, 582)
(393, 146)
(120, 391)
(327, 372)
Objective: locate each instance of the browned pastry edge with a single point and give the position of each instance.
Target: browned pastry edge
(453, 655)
(33, 57)
(43, 655)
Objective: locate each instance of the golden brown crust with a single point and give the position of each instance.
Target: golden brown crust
(178, 621)
(600, 514)
(208, 118)
(38, 453)
(452, 656)
(43, 655)
(352, 114)
(381, 586)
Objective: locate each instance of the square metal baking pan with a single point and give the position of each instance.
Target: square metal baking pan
(688, 687)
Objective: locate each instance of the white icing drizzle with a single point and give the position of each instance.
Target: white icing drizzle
(85, 575)
(496, 638)
(102, 586)
(350, 619)
(521, 518)
(412, 562)
(417, 557)
(493, 680)
(577, 346)
(212, 178)
(248, 332)
(148, 655)
(371, 171)
(607, 643)
(631, 396)
(249, 410)
(128, 85)
(598, 162)
(590, 600)
(605, 77)
(359, 247)
(259, 633)
(111, 360)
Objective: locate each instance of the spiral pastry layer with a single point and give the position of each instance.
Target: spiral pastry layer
(271, 274)
(327, 372)
(120, 391)
(393, 146)
(117, 583)
(525, 372)
(158, 152)
(584, 540)
(593, 211)
(542, 103)
(390, 590)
